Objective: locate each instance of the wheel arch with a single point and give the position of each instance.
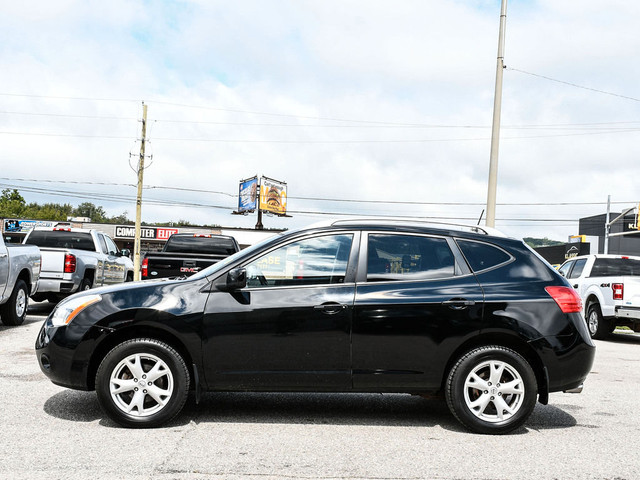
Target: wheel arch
(137, 331)
(25, 275)
(515, 343)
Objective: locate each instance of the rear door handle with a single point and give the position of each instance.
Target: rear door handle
(458, 303)
(330, 308)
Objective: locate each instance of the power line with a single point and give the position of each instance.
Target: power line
(575, 85)
(312, 142)
(315, 199)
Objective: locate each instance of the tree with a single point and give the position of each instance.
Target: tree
(88, 209)
(12, 204)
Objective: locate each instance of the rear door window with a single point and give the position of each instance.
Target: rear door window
(408, 257)
(482, 256)
(578, 268)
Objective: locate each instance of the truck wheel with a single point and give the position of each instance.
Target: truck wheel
(85, 284)
(598, 327)
(142, 383)
(14, 311)
(491, 390)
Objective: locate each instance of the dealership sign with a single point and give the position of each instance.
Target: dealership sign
(23, 226)
(146, 233)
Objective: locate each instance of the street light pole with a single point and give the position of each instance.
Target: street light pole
(495, 130)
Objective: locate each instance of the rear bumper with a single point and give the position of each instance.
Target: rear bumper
(568, 360)
(57, 285)
(628, 313)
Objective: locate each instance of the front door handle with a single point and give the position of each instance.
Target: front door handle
(330, 308)
(458, 303)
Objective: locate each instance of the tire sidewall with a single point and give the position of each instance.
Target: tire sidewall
(9, 315)
(602, 330)
(455, 389)
(143, 346)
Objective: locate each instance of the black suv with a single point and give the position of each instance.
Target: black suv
(347, 306)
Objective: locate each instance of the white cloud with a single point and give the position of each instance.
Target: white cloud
(411, 62)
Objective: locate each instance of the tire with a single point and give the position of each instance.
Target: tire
(598, 327)
(14, 310)
(491, 390)
(86, 284)
(132, 400)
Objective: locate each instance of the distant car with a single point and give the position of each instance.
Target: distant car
(74, 260)
(185, 254)
(609, 286)
(19, 273)
(347, 306)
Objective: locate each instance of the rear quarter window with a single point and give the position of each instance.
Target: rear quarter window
(482, 256)
(615, 267)
(61, 239)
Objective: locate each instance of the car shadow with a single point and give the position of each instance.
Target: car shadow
(362, 409)
(628, 338)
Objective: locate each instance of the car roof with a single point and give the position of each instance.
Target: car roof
(408, 224)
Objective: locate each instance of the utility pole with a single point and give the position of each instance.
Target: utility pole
(495, 130)
(136, 247)
(607, 226)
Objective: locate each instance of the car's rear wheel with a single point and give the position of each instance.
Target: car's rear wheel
(491, 389)
(599, 328)
(142, 383)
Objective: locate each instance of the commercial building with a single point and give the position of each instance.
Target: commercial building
(152, 238)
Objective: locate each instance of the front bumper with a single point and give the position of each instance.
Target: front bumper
(64, 353)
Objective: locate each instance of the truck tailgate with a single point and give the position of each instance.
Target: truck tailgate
(162, 265)
(52, 263)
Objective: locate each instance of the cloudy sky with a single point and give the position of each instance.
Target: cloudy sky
(362, 107)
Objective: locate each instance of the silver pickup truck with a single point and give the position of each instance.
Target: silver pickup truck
(74, 259)
(19, 272)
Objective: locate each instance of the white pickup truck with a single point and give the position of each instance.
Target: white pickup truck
(609, 286)
(74, 259)
(19, 272)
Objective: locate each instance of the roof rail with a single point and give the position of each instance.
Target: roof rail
(456, 226)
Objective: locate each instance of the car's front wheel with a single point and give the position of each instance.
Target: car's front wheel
(14, 311)
(491, 389)
(142, 383)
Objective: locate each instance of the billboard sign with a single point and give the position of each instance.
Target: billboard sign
(273, 196)
(248, 196)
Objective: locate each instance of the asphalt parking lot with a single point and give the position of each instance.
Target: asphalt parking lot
(48, 432)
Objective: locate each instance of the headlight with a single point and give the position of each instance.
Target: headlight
(68, 309)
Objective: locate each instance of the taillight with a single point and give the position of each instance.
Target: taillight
(144, 269)
(618, 291)
(567, 299)
(69, 263)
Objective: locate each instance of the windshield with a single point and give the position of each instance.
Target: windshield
(247, 252)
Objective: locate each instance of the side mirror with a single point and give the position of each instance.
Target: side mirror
(125, 252)
(236, 279)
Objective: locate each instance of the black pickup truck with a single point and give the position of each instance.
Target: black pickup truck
(186, 253)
